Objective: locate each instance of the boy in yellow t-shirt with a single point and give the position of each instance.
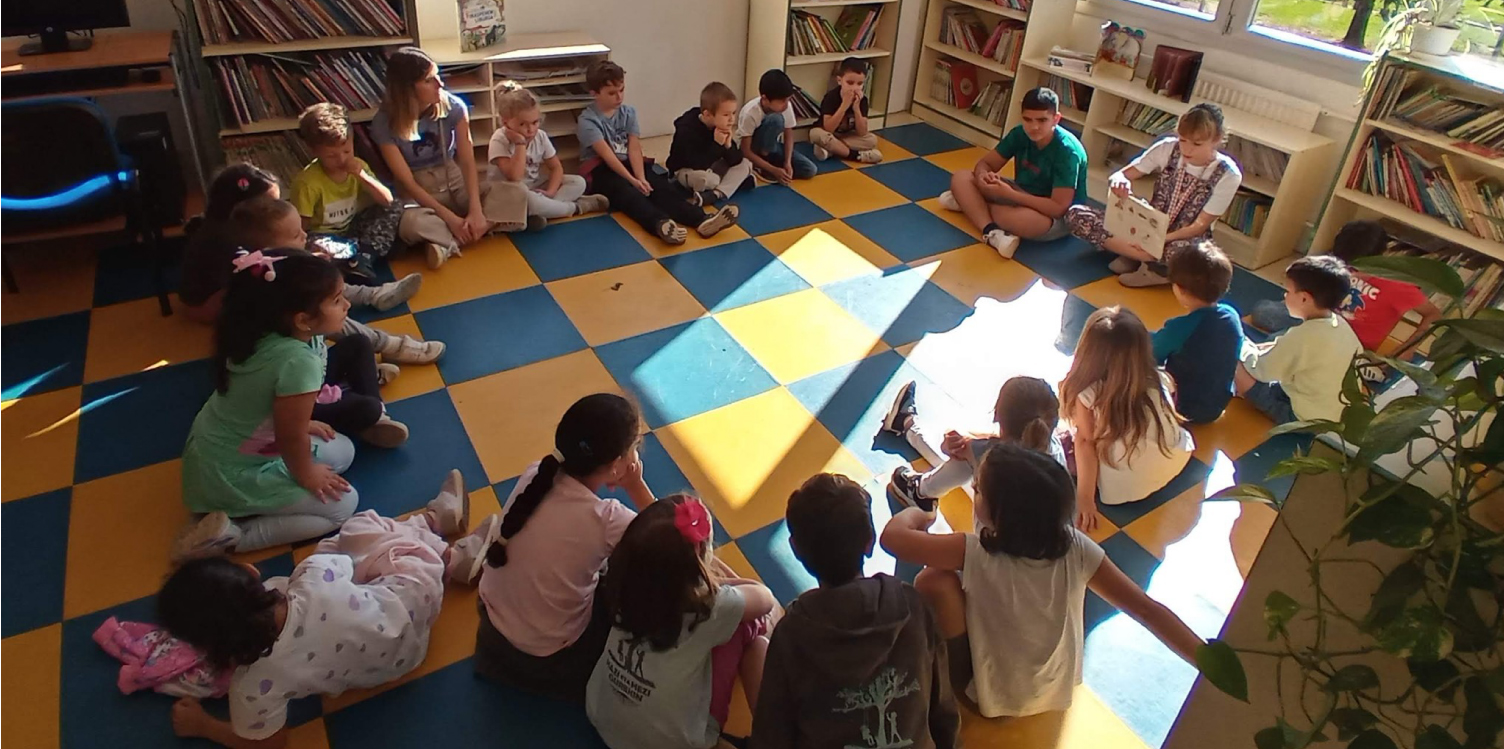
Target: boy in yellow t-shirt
(349, 215)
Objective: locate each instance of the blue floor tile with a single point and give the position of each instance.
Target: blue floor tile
(768, 550)
(125, 273)
(1248, 289)
(1068, 262)
(454, 707)
(392, 482)
(909, 232)
(915, 179)
(42, 355)
(1194, 473)
(921, 139)
(139, 419)
(900, 304)
(659, 471)
(1138, 564)
(578, 247)
(499, 332)
(33, 557)
(733, 275)
(1254, 466)
(685, 370)
(773, 208)
(827, 166)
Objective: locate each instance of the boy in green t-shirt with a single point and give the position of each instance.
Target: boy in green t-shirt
(1049, 177)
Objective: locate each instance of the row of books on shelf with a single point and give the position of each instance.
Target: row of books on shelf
(1247, 213)
(277, 21)
(992, 103)
(537, 71)
(1072, 94)
(1434, 184)
(563, 92)
(285, 154)
(1257, 159)
(255, 87)
(812, 34)
(806, 107)
(1482, 277)
(1146, 119)
(1408, 95)
(961, 27)
(1018, 5)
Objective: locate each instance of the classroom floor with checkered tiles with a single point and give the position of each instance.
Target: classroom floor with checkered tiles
(759, 357)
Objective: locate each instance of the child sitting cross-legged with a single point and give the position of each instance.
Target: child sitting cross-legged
(1026, 413)
(521, 152)
(852, 635)
(1200, 350)
(843, 118)
(766, 129)
(355, 614)
(1009, 597)
(1128, 437)
(682, 629)
(704, 155)
(612, 155)
(1298, 375)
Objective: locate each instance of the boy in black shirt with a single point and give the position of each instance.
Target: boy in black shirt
(843, 118)
(704, 155)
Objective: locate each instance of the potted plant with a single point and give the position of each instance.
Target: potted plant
(1418, 662)
(1431, 26)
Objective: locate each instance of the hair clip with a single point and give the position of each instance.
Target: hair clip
(692, 521)
(243, 183)
(259, 264)
(584, 448)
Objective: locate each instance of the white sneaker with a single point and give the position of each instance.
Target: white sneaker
(721, 219)
(871, 156)
(820, 153)
(1006, 244)
(948, 201)
(386, 372)
(1121, 265)
(212, 535)
(389, 295)
(405, 349)
(438, 254)
(452, 507)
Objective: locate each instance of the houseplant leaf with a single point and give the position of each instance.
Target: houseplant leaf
(1435, 677)
(1417, 633)
(1481, 719)
(1483, 332)
(1279, 609)
(1245, 493)
(1310, 426)
(1372, 739)
(1220, 665)
(1303, 464)
(1393, 522)
(1395, 426)
(1432, 275)
(1436, 737)
(1398, 586)
(1354, 678)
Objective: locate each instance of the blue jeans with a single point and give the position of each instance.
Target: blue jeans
(1271, 399)
(767, 142)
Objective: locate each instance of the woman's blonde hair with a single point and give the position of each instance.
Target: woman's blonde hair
(1116, 355)
(514, 100)
(1027, 412)
(404, 70)
(1203, 120)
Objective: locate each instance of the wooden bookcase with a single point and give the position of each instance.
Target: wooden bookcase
(768, 47)
(1345, 204)
(1046, 23)
(1295, 196)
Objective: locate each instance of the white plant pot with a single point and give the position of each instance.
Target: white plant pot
(1433, 40)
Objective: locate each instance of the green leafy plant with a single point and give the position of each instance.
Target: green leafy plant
(1439, 614)
(1399, 25)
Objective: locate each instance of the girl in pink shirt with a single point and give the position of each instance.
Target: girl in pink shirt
(542, 628)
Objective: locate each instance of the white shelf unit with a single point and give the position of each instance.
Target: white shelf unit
(1346, 204)
(1046, 22)
(481, 73)
(768, 47)
(1295, 195)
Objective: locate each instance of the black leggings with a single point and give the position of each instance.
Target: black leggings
(352, 365)
(669, 199)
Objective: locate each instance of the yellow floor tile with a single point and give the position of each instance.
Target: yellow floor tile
(891, 152)
(33, 674)
(310, 735)
(120, 531)
(739, 716)
(847, 193)
(619, 303)
(52, 280)
(1088, 724)
(737, 561)
(134, 336)
(40, 434)
(800, 334)
(954, 218)
(658, 248)
(1152, 305)
(963, 160)
(828, 252)
(488, 267)
(416, 379)
(746, 458)
(510, 416)
(1240, 429)
(959, 511)
(974, 272)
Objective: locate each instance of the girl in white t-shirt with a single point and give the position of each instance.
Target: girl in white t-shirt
(1196, 185)
(1128, 437)
(1009, 598)
(521, 152)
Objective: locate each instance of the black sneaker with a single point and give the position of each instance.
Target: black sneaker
(904, 489)
(897, 420)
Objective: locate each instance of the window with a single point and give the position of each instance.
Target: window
(1356, 24)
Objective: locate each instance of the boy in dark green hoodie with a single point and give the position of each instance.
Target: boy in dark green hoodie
(858, 661)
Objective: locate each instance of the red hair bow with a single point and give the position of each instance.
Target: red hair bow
(692, 521)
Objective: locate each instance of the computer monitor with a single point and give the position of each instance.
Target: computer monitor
(53, 19)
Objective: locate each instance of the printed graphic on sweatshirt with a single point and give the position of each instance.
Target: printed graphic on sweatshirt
(624, 669)
(889, 686)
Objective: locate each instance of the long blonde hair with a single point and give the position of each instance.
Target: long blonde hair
(514, 100)
(1116, 355)
(404, 69)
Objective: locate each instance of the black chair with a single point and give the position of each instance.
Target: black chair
(65, 176)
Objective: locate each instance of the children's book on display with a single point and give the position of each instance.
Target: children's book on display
(1136, 221)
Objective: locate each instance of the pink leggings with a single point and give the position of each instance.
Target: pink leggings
(726, 662)
(404, 556)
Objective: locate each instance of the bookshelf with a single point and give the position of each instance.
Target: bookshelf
(1043, 22)
(771, 44)
(1282, 165)
(1459, 197)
